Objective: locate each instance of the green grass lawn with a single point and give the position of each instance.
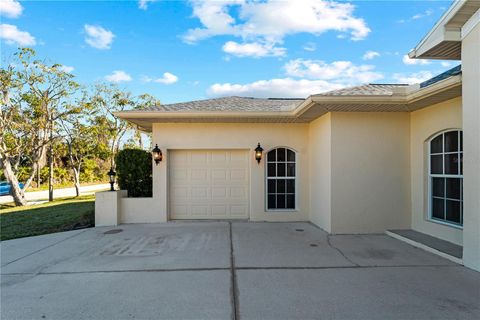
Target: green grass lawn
(59, 215)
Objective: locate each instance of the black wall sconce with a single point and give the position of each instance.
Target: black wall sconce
(157, 154)
(111, 177)
(258, 153)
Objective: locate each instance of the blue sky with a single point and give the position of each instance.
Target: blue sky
(180, 51)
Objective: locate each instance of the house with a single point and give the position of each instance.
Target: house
(358, 160)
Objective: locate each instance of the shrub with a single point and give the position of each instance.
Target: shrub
(134, 172)
(60, 175)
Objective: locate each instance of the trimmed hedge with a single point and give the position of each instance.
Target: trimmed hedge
(134, 172)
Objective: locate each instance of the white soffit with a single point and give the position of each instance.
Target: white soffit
(444, 39)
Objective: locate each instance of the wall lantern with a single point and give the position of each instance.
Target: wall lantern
(111, 176)
(157, 154)
(258, 153)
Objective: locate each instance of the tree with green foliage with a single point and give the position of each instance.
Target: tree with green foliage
(34, 95)
(107, 100)
(80, 137)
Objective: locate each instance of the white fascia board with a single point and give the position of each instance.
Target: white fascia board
(439, 33)
(470, 24)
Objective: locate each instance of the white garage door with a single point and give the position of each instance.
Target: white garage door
(209, 184)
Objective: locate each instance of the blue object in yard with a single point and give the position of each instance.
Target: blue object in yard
(5, 188)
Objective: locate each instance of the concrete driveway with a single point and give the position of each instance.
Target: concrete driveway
(222, 270)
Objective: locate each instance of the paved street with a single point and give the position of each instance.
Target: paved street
(58, 193)
(222, 270)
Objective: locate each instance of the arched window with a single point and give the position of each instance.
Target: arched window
(281, 179)
(446, 177)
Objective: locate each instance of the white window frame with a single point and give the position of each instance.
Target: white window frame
(431, 176)
(283, 178)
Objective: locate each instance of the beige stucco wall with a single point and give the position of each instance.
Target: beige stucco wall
(471, 134)
(139, 210)
(370, 172)
(320, 172)
(425, 123)
(108, 207)
(170, 136)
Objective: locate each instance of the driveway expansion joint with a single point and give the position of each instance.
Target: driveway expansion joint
(37, 251)
(229, 269)
(341, 252)
(234, 284)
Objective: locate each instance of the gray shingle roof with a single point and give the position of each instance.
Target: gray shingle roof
(231, 104)
(364, 90)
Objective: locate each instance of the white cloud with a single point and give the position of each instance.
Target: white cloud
(344, 72)
(369, 55)
(412, 77)
(422, 15)
(285, 87)
(270, 21)
(406, 60)
(315, 76)
(10, 8)
(310, 46)
(118, 76)
(253, 49)
(445, 64)
(13, 36)
(67, 69)
(98, 37)
(167, 78)
(143, 4)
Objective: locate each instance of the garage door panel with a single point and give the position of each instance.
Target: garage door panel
(199, 157)
(239, 210)
(219, 193)
(209, 184)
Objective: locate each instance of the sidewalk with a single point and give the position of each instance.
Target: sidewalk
(59, 193)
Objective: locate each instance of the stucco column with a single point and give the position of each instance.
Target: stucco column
(471, 144)
(160, 174)
(107, 207)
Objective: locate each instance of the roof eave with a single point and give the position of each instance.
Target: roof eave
(443, 41)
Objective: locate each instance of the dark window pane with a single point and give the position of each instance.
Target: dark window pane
(290, 201)
(453, 211)
(461, 140)
(461, 162)
(290, 155)
(290, 186)
(436, 144)
(437, 208)
(438, 187)
(451, 141)
(436, 164)
(280, 169)
(271, 170)
(281, 201)
(451, 163)
(453, 190)
(281, 154)
(280, 186)
(290, 169)
(271, 186)
(272, 155)
(271, 202)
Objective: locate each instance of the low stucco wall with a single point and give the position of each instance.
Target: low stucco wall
(425, 123)
(243, 136)
(320, 172)
(139, 210)
(370, 172)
